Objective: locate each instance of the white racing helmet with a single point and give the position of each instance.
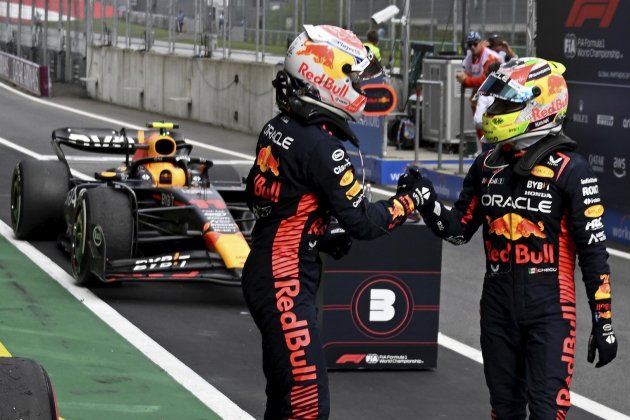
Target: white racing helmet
(329, 63)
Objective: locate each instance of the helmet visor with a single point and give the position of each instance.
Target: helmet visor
(502, 107)
(368, 68)
(502, 87)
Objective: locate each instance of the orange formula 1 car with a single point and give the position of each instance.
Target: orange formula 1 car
(161, 214)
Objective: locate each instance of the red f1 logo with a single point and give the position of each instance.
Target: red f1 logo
(350, 358)
(602, 10)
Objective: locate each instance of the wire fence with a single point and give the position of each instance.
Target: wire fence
(53, 31)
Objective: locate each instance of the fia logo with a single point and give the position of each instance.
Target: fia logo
(570, 45)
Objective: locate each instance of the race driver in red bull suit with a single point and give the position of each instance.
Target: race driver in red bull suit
(538, 204)
(301, 178)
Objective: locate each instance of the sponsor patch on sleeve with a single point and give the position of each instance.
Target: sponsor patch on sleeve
(347, 178)
(338, 154)
(594, 211)
(542, 172)
(353, 190)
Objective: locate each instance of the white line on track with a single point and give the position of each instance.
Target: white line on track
(177, 369)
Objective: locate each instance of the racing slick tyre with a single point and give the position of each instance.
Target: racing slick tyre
(38, 194)
(111, 210)
(25, 390)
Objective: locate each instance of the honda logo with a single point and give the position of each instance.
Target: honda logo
(583, 10)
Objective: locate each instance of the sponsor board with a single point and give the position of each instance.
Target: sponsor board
(593, 46)
(381, 305)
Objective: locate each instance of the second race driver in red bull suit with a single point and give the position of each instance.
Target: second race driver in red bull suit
(302, 177)
(539, 206)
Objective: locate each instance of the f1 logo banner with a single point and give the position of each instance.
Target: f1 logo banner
(600, 10)
(590, 37)
(381, 303)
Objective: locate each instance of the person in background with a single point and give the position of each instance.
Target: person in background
(483, 102)
(302, 177)
(502, 47)
(475, 67)
(372, 43)
(538, 204)
(179, 22)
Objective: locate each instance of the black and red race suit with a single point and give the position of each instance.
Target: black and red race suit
(302, 176)
(534, 224)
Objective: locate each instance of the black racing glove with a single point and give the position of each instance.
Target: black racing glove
(418, 188)
(603, 341)
(336, 242)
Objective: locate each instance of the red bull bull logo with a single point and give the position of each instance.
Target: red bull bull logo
(321, 54)
(555, 84)
(520, 254)
(267, 162)
(514, 227)
(602, 298)
(397, 210)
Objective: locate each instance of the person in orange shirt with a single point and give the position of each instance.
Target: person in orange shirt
(475, 67)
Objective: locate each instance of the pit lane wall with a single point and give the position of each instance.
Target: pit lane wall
(231, 94)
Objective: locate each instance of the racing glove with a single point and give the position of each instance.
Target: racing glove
(603, 341)
(414, 188)
(336, 242)
(602, 338)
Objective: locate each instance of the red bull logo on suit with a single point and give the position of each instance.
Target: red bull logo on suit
(267, 162)
(513, 226)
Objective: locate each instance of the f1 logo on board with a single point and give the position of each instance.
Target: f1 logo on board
(582, 10)
(382, 306)
(350, 358)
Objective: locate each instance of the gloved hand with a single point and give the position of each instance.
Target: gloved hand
(419, 189)
(336, 242)
(604, 341)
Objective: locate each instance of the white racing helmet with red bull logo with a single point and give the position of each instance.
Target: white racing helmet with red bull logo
(531, 99)
(330, 63)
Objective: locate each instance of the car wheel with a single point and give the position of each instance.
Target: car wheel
(111, 210)
(38, 194)
(27, 392)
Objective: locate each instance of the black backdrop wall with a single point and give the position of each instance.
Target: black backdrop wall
(592, 39)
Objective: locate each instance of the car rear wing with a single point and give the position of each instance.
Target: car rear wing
(108, 141)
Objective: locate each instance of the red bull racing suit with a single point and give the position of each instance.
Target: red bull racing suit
(533, 225)
(302, 176)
